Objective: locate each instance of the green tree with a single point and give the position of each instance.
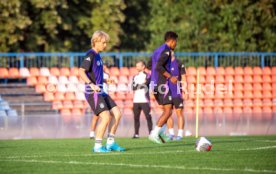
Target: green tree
(135, 31)
(61, 25)
(217, 25)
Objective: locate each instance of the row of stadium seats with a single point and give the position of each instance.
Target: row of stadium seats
(44, 71)
(124, 71)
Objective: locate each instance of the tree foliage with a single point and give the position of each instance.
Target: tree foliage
(60, 25)
(202, 25)
(215, 25)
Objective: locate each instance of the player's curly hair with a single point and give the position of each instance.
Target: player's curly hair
(98, 35)
(170, 35)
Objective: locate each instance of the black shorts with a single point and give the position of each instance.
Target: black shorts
(100, 102)
(163, 97)
(178, 103)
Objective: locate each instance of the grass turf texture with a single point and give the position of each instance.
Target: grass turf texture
(246, 154)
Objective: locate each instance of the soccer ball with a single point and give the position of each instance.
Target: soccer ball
(203, 145)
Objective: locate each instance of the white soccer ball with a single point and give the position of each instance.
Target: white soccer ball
(203, 145)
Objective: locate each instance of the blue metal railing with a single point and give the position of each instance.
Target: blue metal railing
(120, 59)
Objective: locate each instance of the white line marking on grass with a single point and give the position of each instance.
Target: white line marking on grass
(267, 141)
(258, 148)
(99, 154)
(143, 166)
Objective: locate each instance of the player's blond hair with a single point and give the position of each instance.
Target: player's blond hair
(98, 35)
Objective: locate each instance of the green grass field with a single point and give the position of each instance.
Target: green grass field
(245, 154)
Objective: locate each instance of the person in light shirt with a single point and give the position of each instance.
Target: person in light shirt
(141, 100)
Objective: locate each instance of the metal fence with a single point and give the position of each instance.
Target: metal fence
(128, 59)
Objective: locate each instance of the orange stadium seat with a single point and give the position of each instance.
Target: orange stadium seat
(132, 71)
(31, 81)
(34, 71)
(54, 71)
(208, 103)
(218, 102)
(191, 79)
(74, 71)
(267, 79)
(115, 71)
(64, 71)
(238, 79)
(42, 80)
(210, 79)
(229, 95)
(267, 94)
(266, 71)
(237, 103)
(257, 79)
(210, 71)
(70, 96)
(14, 73)
(257, 71)
(248, 87)
(267, 87)
(228, 103)
(273, 70)
(229, 71)
(191, 71)
(238, 70)
(202, 71)
(248, 79)
(229, 79)
(238, 94)
(220, 79)
(238, 87)
(257, 94)
(273, 78)
(248, 71)
(4, 73)
(24, 72)
(124, 71)
(39, 88)
(257, 102)
(248, 94)
(257, 86)
(247, 102)
(59, 96)
(48, 96)
(220, 71)
(202, 79)
(267, 102)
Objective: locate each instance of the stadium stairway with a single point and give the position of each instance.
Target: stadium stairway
(18, 94)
